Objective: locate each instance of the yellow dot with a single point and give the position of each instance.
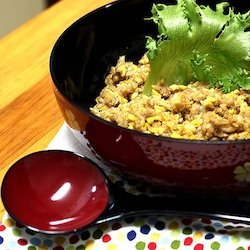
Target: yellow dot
(246, 234)
(132, 190)
(59, 240)
(104, 227)
(9, 222)
(121, 236)
(233, 232)
(89, 245)
(112, 247)
(197, 235)
(173, 225)
(112, 178)
(155, 236)
(235, 239)
(42, 248)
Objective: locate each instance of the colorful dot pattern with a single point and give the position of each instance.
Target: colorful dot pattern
(146, 233)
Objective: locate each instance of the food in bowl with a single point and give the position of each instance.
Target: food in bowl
(191, 111)
(193, 82)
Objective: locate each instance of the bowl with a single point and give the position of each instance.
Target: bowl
(79, 63)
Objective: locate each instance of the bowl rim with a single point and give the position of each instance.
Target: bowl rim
(127, 130)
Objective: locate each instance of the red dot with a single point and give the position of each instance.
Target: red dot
(74, 239)
(152, 246)
(188, 241)
(116, 226)
(58, 248)
(186, 221)
(199, 247)
(19, 225)
(206, 220)
(22, 242)
(2, 227)
(222, 231)
(106, 238)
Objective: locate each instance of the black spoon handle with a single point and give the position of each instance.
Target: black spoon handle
(124, 204)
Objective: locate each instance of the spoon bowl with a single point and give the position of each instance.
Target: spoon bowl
(55, 191)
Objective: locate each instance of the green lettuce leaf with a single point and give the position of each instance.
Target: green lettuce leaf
(197, 43)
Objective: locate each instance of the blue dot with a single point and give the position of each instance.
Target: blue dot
(35, 241)
(197, 226)
(48, 243)
(145, 229)
(224, 238)
(1, 240)
(12, 245)
(209, 236)
(164, 241)
(131, 235)
(218, 224)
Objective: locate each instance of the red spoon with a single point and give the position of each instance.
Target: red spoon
(59, 192)
(54, 191)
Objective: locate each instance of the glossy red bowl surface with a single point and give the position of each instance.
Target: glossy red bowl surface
(79, 62)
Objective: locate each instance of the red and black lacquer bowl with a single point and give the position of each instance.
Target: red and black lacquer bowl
(80, 60)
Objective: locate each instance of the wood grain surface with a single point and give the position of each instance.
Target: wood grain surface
(29, 115)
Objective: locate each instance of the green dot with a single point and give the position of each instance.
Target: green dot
(97, 234)
(140, 245)
(80, 247)
(16, 232)
(187, 230)
(215, 245)
(175, 244)
(139, 222)
(31, 248)
(209, 229)
(175, 232)
(70, 248)
(240, 248)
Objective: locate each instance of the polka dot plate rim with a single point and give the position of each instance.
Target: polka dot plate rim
(139, 233)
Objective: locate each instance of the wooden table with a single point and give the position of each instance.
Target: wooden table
(29, 115)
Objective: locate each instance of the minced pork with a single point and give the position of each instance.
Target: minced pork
(193, 111)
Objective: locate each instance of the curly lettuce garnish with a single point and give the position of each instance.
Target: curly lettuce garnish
(197, 43)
